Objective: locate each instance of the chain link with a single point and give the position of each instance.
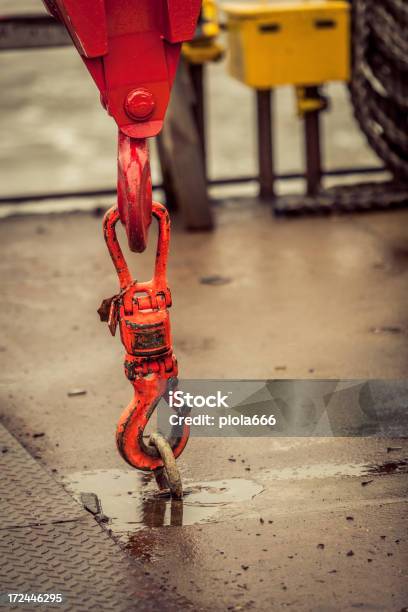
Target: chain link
(345, 199)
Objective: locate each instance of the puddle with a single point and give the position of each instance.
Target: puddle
(389, 467)
(334, 470)
(129, 500)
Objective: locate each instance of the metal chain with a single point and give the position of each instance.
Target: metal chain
(384, 78)
(389, 34)
(379, 94)
(399, 7)
(346, 199)
(380, 56)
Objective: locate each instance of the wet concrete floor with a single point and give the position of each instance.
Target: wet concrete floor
(303, 523)
(308, 523)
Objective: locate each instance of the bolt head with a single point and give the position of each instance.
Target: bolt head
(139, 104)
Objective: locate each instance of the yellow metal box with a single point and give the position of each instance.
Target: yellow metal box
(288, 43)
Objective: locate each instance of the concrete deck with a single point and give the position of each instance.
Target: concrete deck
(304, 298)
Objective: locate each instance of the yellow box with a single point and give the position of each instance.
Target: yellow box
(288, 43)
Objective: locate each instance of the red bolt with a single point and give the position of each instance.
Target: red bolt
(139, 104)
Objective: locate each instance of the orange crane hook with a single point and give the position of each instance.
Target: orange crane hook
(141, 309)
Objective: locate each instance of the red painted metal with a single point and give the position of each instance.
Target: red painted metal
(141, 310)
(130, 44)
(139, 104)
(134, 190)
(131, 49)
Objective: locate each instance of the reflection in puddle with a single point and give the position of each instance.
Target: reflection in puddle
(130, 499)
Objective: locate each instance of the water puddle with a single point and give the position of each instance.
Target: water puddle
(128, 500)
(319, 470)
(335, 470)
(389, 467)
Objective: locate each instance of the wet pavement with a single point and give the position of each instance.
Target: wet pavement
(51, 549)
(128, 502)
(265, 522)
(306, 523)
(314, 536)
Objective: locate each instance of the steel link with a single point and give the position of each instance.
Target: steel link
(389, 34)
